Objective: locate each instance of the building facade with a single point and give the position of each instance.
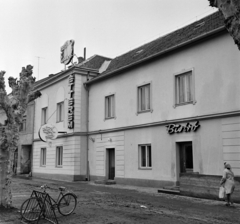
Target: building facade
(63, 105)
(169, 111)
(164, 114)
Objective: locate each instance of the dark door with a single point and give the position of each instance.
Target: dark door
(186, 157)
(111, 162)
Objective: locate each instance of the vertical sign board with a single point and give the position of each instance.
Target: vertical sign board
(71, 82)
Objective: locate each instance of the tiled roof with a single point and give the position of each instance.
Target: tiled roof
(94, 62)
(171, 40)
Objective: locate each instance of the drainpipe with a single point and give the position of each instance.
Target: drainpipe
(87, 89)
(33, 126)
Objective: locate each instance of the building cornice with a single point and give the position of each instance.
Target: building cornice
(167, 122)
(66, 135)
(64, 74)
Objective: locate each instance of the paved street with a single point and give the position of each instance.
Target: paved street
(124, 204)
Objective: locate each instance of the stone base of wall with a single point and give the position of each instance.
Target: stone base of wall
(205, 186)
(137, 182)
(61, 177)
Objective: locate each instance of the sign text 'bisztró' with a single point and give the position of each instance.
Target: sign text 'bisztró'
(178, 128)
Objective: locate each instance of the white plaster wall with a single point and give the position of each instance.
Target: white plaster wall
(216, 67)
(71, 156)
(207, 151)
(98, 153)
(231, 142)
(50, 99)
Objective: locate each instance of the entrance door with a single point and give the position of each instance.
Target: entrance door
(186, 157)
(111, 164)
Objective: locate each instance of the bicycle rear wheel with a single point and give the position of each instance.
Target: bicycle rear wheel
(67, 204)
(30, 209)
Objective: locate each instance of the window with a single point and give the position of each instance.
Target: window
(184, 88)
(109, 106)
(44, 115)
(23, 125)
(60, 111)
(59, 156)
(43, 157)
(144, 98)
(145, 156)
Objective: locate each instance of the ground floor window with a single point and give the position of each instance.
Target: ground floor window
(59, 156)
(145, 156)
(43, 156)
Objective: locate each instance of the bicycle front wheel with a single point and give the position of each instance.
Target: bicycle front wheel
(31, 209)
(67, 204)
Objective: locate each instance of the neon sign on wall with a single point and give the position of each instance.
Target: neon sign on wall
(178, 128)
(71, 81)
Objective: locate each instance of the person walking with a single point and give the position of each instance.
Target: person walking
(227, 182)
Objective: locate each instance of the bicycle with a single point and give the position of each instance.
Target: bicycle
(41, 204)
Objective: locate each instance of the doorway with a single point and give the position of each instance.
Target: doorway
(111, 164)
(25, 162)
(186, 157)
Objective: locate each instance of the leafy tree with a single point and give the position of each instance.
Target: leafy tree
(231, 12)
(14, 105)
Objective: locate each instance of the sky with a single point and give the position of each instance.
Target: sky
(33, 31)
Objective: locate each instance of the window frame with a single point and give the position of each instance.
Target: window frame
(147, 166)
(113, 106)
(60, 118)
(192, 87)
(43, 157)
(139, 111)
(61, 157)
(44, 119)
(23, 126)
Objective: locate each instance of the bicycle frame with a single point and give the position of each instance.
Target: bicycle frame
(55, 202)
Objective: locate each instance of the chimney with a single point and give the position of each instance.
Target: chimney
(84, 53)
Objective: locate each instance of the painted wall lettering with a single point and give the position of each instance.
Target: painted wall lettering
(71, 82)
(178, 128)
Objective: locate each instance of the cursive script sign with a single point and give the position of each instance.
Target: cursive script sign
(47, 131)
(178, 128)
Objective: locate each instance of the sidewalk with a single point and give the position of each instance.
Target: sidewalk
(120, 203)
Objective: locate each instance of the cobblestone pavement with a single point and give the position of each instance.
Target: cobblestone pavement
(123, 204)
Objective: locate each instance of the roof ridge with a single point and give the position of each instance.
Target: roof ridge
(166, 34)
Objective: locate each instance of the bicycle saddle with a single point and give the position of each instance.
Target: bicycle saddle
(62, 188)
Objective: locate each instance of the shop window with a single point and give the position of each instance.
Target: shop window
(59, 156)
(43, 156)
(144, 98)
(184, 88)
(44, 115)
(145, 156)
(109, 106)
(60, 112)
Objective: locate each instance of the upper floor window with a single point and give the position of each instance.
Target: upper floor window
(44, 115)
(109, 106)
(144, 98)
(184, 91)
(145, 156)
(60, 112)
(23, 125)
